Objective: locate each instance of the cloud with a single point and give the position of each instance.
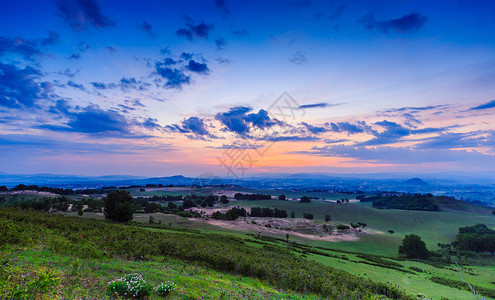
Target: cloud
(348, 127)
(111, 50)
(79, 14)
(197, 67)
(298, 58)
(237, 120)
(186, 56)
(193, 125)
(222, 7)
(146, 27)
(408, 23)
(234, 119)
(20, 88)
(93, 120)
(314, 129)
(191, 31)
(316, 105)
(220, 43)
(103, 86)
(75, 56)
(392, 133)
(76, 85)
(28, 49)
(132, 83)
(175, 77)
(398, 155)
(490, 104)
(288, 138)
(222, 60)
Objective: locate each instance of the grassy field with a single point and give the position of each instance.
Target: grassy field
(432, 227)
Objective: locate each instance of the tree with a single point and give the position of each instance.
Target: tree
(308, 216)
(292, 214)
(119, 206)
(328, 218)
(413, 247)
(151, 220)
(305, 199)
(282, 197)
(224, 199)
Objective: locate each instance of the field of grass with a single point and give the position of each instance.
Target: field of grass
(432, 227)
(77, 278)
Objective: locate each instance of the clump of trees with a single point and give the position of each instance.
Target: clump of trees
(413, 247)
(424, 202)
(230, 215)
(265, 212)
(240, 196)
(308, 216)
(305, 199)
(119, 206)
(477, 238)
(282, 197)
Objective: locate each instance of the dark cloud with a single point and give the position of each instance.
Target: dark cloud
(490, 104)
(298, 58)
(28, 49)
(261, 120)
(20, 88)
(237, 120)
(348, 127)
(222, 60)
(83, 47)
(132, 83)
(93, 120)
(76, 85)
(175, 77)
(234, 119)
(191, 31)
(81, 13)
(197, 67)
(193, 125)
(103, 86)
(67, 72)
(220, 43)
(316, 105)
(222, 7)
(408, 23)
(400, 155)
(111, 50)
(75, 56)
(186, 56)
(289, 138)
(146, 27)
(392, 133)
(314, 129)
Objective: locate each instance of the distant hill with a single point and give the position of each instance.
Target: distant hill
(416, 181)
(453, 205)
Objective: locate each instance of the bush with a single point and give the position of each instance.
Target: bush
(164, 288)
(308, 216)
(129, 286)
(413, 247)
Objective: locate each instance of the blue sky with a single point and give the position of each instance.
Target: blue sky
(173, 87)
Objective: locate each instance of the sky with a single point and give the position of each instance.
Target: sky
(236, 88)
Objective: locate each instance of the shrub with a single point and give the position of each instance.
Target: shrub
(129, 286)
(164, 288)
(308, 216)
(413, 247)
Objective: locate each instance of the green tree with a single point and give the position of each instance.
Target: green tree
(328, 218)
(282, 197)
(413, 247)
(119, 206)
(292, 214)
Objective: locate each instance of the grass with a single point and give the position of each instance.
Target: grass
(87, 278)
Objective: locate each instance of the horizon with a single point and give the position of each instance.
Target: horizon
(105, 88)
